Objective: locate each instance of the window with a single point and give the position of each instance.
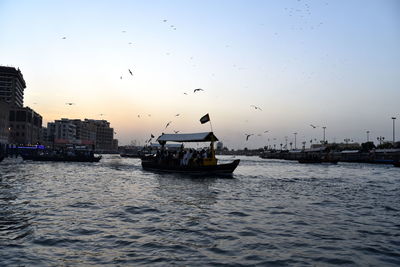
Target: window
(12, 115)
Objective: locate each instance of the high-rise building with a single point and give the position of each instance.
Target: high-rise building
(12, 85)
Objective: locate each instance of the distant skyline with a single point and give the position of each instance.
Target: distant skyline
(326, 63)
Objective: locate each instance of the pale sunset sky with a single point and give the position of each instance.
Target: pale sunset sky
(326, 63)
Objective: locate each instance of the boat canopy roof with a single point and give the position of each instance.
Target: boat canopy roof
(191, 137)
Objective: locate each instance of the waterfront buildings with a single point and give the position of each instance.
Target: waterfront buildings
(89, 132)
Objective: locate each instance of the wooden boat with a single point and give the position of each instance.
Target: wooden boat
(165, 162)
(79, 157)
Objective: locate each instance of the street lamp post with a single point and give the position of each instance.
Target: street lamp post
(393, 118)
(367, 136)
(380, 139)
(295, 147)
(324, 128)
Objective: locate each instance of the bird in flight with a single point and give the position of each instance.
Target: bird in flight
(266, 131)
(185, 93)
(130, 72)
(176, 132)
(168, 124)
(177, 115)
(313, 126)
(64, 38)
(165, 20)
(248, 136)
(138, 116)
(197, 90)
(255, 107)
(69, 103)
(101, 114)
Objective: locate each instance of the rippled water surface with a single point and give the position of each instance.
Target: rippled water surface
(270, 212)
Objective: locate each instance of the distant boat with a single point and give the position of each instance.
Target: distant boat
(130, 155)
(181, 162)
(132, 152)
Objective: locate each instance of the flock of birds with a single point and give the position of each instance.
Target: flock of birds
(249, 135)
(197, 90)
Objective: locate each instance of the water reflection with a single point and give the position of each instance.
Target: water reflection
(15, 218)
(186, 190)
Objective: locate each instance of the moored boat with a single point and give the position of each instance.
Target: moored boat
(65, 158)
(188, 160)
(69, 156)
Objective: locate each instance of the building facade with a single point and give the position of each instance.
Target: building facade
(4, 126)
(12, 85)
(104, 134)
(24, 126)
(95, 133)
(62, 131)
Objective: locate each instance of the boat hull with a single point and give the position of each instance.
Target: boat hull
(225, 169)
(64, 159)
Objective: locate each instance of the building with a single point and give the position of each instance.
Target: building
(12, 85)
(4, 127)
(115, 144)
(62, 131)
(104, 134)
(89, 132)
(86, 132)
(24, 126)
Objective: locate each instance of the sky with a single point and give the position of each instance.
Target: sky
(333, 64)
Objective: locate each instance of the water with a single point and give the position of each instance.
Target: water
(271, 213)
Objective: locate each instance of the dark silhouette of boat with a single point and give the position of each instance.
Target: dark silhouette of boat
(184, 161)
(66, 156)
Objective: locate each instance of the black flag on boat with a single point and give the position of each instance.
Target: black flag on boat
(205, 118)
